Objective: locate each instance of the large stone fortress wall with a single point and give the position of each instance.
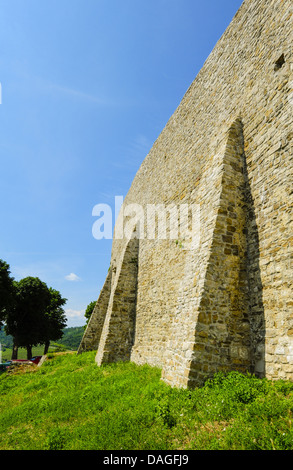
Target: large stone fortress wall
(228, 304)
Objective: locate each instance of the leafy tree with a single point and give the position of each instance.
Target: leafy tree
(89, 310)
(55, 319)
(6, 290)
(27, 317)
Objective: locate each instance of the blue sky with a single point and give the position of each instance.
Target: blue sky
(87, 87)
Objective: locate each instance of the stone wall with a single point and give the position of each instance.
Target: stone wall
(92, 336)
(226, 304)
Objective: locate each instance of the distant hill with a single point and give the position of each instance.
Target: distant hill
(71, 338)
(5, 340)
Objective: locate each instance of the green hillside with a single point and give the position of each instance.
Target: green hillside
(5, 340)
(72, 337)
(71, 404)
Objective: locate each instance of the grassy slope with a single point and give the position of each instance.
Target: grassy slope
(70, 403)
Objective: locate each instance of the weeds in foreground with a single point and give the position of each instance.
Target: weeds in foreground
(70, 403)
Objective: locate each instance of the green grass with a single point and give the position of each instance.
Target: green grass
(36, 351)
(70, 403)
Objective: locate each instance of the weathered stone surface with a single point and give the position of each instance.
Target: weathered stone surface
(227, 303)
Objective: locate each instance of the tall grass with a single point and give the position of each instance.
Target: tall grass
(70, 403)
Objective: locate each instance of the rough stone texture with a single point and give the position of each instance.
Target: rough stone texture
(95, 325)
(227, 304)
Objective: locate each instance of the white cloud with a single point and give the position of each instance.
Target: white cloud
(72, 277)
(70, 313)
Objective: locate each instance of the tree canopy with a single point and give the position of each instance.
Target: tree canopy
(89, 310)
(36, 316)
(55, 319)
(24, 320)
(6, 290)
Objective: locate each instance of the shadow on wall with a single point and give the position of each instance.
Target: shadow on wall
(118, 334)
(255, 287)
(230, 330)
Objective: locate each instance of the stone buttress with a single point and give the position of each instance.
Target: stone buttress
(226, 302)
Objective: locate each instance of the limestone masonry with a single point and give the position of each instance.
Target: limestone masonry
(224, 303)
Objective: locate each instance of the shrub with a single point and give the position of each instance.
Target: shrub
(55, 440)
(242, 388)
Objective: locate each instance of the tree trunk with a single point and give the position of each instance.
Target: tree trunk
(14, 351)
(29, 351)
(46, 348)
